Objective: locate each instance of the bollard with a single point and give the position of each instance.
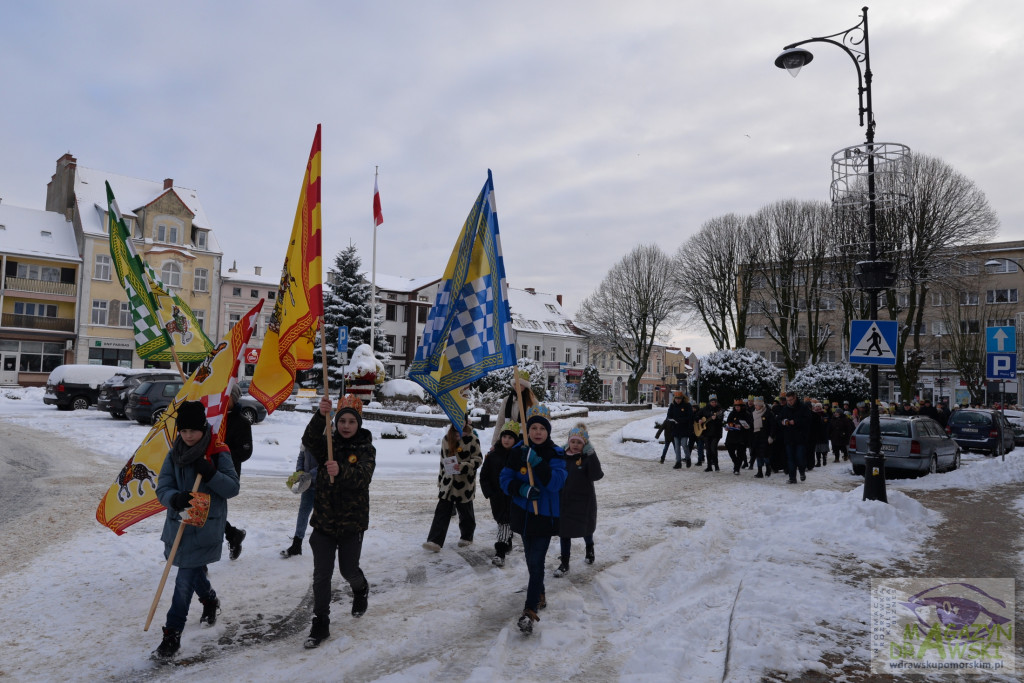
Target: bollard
(874, 478)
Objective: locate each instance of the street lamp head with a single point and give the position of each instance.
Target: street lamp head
(992, 263)
(793, 59)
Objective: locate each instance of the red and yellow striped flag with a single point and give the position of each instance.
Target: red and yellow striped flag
(288, 344)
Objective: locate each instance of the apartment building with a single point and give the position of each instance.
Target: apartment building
(544, 333)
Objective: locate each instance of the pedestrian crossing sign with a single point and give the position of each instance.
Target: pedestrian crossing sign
(873, 342)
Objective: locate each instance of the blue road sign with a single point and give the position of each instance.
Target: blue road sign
(1001, 340)
(1000, 366)
(873, 342)
(343, 339)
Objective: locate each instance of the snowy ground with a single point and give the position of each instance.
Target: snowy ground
(699, 576)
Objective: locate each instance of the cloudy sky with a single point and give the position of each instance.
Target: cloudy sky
(606, 124)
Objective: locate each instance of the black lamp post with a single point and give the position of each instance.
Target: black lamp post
(872, 275)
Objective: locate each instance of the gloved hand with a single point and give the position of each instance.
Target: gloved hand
(771, 440)
(533, 458)
(181, 500)
(529, 492)
(294, 477)
(204, 467)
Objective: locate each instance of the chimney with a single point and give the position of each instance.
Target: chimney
(67, 160)
(259, 269)
(234, 267)
(530, 290)
(168, 183)
(559, 298)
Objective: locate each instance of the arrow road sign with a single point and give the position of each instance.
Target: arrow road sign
(873, 342)
(1001, 340)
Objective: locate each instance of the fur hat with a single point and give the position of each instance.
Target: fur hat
(191, 415)
(580, 432)
(512, 427)
(352, 405)
(677, 394)
(539, 414)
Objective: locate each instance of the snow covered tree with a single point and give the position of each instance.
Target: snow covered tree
(591, 385)
(832, 382)
(346, 303)
(498, 383)
(736, 373)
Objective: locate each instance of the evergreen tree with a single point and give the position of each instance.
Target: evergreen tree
(346, 303)
(591, 385)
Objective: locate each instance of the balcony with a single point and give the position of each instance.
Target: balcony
(37, 322)
(22, 284)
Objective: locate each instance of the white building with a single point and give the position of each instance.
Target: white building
(543, 333)
(405, 301)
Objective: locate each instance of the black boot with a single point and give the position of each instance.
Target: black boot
(759, 475)
(319, 633)
(169, 645)
(359, 599)
(211, 606)
(590, 554)
(563, 567)
(294, 549)
(234, 537)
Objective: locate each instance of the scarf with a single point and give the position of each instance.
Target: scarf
(182, 454)
(759, 418)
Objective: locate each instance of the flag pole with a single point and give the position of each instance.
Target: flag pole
(522, 426)
(167, 566)
(327, 393)
(373, 273)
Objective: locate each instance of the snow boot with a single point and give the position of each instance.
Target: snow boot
(432, 547)
(498, 560)
(590, 554)
(563, 568)
(211, 606)
(526, 620)
(677, 466)
(235, 543)
(542, 603)
(688, 463)
(463, 542)
(318, 633)
(169, 645)
(759, 475)
(294, 549)
(359, 599)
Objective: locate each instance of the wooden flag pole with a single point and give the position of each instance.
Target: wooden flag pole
(327, 393)
(170, 561)
(522, 428)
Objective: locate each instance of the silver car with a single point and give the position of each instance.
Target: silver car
(914, 444)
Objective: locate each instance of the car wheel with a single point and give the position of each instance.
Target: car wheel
(157, 414)
(79, 403)
(933, 464)
(956, 462)
(858, 470)
(1000, 450)
(249, 414)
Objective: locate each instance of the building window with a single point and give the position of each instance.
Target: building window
(105, 356)
(939, 328)
(903, 300)
(830, 357)
(170, 273)
(31, 271)
(524, 353)
(405, 344)
(254, 294)
(168, 232)
(1001, 266)
(970, 327)
(421, 314)
(938, 299)
(579, 356)
(965, 268)
(99, 312)
(1002, 322)
(200, 317)
(34, 356)
(201, 239)
(554, 354)
(101, 270)
(236, 291)
(232, 319)
(1001, 296)
(968, 298)
(390, 340)
(201, 277)
(536, 353)
(35, 310)
(390, 312)
(568, 355)
(271, 294)
(124, 318)
(755, 332)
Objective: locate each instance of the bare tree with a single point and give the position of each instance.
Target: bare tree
(923, 238)
(790, 271)
(630, 309)
(706, 274)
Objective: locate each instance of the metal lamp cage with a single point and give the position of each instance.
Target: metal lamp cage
(850, 174)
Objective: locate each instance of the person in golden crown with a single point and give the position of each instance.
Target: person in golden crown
(341, 506)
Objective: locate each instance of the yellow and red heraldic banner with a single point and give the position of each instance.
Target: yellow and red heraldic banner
(291, 334)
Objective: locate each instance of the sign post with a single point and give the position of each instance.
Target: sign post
(1001, 353)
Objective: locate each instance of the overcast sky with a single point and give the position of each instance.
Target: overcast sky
(606, 124)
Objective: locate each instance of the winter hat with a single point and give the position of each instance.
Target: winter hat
(580, 432)
(236, 394)
(677, 394)
(713, 397)
(191, 415)
(510, 427)
(539, 414)
(759, 399)
(739, 402)
(352, 405)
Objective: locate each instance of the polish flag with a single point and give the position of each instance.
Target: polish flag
(378, 217)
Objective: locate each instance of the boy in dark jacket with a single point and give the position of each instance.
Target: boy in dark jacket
(535, 507)
(238, 438)
(341, 508)
(194, 452)
(578, 518)
(490, 486)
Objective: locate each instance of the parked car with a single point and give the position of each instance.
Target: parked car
(979, 429)
(148, 401)
(914, 444)
(1016, 420)
(251, 409)
(114, 392)
(76, 387)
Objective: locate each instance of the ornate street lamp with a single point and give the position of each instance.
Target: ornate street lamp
(851, 167)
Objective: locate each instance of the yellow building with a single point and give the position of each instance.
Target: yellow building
(171, 232)
(38, 294)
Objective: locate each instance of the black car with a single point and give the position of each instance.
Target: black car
(76, 387)
(148, 401)
(983, 430)
(114, 392)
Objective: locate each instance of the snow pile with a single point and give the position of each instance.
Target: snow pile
(93, 375)
(364, 365)
(403, 388)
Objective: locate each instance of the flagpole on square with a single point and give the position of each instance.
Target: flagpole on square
(378, 218)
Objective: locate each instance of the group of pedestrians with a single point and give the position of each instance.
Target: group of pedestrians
(790, 436)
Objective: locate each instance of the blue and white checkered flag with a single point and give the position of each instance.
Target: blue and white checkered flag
(469, 330)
